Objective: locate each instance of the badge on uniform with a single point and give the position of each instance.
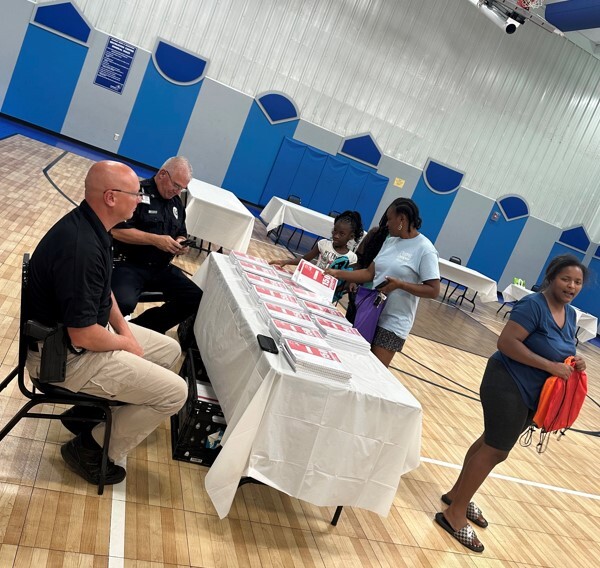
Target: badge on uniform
(146, 199)
(175, 213)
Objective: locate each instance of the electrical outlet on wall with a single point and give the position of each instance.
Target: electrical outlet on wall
(116, 136)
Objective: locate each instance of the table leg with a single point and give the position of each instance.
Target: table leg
(336, 515)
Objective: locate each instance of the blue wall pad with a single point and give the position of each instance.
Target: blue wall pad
(328, 185)
(574, 15)
(308, 174)
(255, 154)
(588, 299)
(44, 79)
(370, 197)
(277, 107)
(284, 170)
(65, 19)
(158, 119)
(178, 65)
(362, 148)
(496, 243)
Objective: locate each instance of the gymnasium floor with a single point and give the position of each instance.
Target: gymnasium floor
(544, 510)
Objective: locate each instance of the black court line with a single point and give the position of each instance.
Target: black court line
(47, 176)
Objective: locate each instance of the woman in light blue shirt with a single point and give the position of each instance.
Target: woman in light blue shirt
(407, 268)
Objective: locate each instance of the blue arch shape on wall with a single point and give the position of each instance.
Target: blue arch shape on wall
(513, 207)
(65, 19)
(575, 237)
(362, 148)
(499, 237)
(255, 154)
(277, 107)
(441, 178)
(434, 194)
(177, 65)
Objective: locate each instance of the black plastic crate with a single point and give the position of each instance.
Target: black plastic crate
(199, 425)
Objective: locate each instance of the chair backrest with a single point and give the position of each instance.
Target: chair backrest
(294, 199)
(334, 213)
(455, 260)
(536, 288)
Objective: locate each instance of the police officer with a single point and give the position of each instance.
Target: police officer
(145, 245)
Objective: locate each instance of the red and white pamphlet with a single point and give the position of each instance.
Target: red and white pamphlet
(315, 361)
(235, 256)
(251, 279)
(342, 335)
(304, 294)
(260, 269)
(264, 294)
(288, 330)
(324, 311)
(315, 279)
(271, 310)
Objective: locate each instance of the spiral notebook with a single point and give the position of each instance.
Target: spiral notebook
(314, 361)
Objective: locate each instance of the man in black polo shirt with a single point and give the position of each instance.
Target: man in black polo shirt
(70, 274)
(145, 246)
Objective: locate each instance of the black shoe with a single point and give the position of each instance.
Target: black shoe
(86, 463)
(185, 333)
(76, 426)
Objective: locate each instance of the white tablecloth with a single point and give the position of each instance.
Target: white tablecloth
(485, 287)
(216, 215)
(322, 441)
(279, 211)
(587, 323)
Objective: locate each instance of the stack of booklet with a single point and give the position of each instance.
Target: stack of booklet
(284, 329)
(235, 256)
(256, 268)
(342, 335)
(304, 294)
(263, 294)
(249, 279)
(322, 311)
(314, 361)
(272, 310)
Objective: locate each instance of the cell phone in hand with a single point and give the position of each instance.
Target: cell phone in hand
(187, 242)
(381, 285)
(267, 343)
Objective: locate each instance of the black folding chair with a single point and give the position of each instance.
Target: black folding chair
(44, 392)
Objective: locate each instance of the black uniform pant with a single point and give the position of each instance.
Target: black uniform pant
(182, 296)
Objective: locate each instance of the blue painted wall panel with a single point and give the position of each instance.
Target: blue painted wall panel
(370, 197)
(255, 154)
(284, 170)
(328, 185)
(496, 243)
(350, 189)
(158, 119)
(44, 78)
(308, 174)
(434, 208)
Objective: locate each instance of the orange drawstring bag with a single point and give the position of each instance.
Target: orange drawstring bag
(559, 405)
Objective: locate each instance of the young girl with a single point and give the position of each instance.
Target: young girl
(346, 226)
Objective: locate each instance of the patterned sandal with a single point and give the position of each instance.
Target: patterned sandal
(466, 536)
(474, 513)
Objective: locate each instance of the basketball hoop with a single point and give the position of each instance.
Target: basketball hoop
(527, 4)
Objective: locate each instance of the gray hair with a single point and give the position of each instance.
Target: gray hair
(178, 162)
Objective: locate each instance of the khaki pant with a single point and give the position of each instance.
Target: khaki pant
(151, 389)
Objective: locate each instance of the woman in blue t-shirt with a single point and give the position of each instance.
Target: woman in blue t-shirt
(532, 347)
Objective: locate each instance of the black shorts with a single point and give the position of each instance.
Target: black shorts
(388, 340)
(505, 414)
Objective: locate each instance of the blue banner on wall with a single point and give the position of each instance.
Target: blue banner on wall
(114, 65)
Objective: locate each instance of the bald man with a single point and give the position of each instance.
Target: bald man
(70, 275)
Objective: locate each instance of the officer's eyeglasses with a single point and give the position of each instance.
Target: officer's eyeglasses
(139, 193)
(175, 184)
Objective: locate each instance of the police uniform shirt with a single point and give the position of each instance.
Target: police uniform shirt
(70, 271)
(153, 215)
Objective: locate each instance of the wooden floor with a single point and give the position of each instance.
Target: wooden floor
(543, 511)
